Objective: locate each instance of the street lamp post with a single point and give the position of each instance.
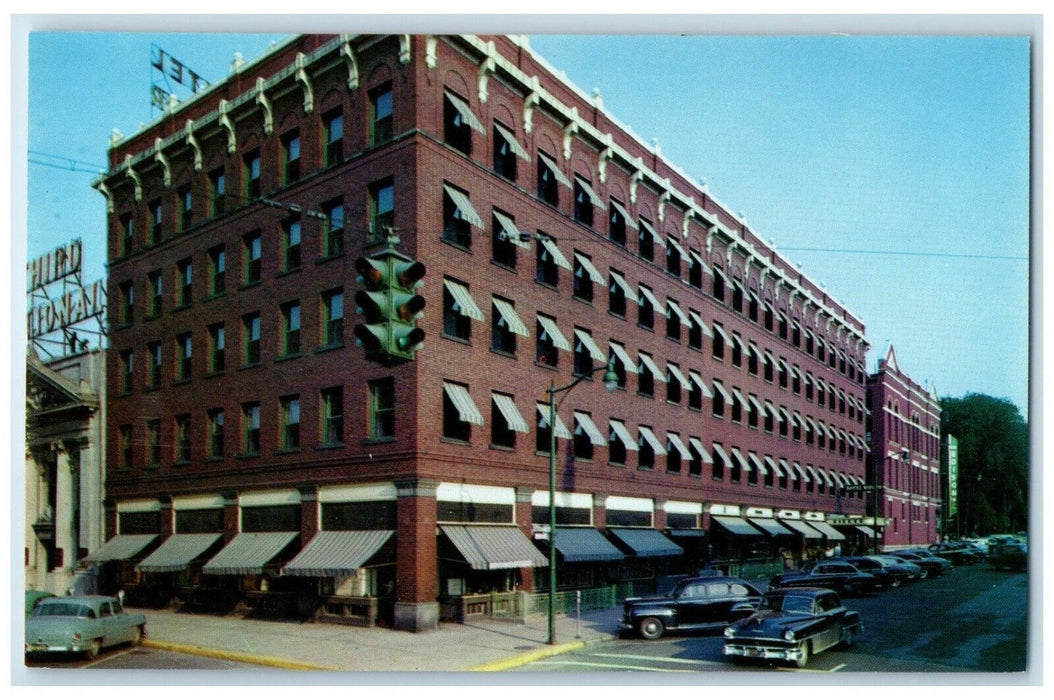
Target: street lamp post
(610, 384)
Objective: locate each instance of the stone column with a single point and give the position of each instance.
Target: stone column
(417, 575)
(65, 509)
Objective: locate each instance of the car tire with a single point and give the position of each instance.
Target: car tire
(94, 647)
(848, 637)
(895, 583)
(651, 628)
(802, 660)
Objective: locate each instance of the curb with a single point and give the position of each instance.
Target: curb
(235, 656)
(529, 657)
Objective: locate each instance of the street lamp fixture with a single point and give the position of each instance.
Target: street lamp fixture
(610, 384)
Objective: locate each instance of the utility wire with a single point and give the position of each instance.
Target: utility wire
(51, 160)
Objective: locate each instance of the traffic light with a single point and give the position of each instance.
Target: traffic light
(390, 306)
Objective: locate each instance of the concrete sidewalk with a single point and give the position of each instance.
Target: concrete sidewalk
(483, 645)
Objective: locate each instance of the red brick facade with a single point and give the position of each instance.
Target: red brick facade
(297, 89)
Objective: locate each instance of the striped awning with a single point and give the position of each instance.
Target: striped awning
(550, 246)
(657, 373)
(681, 379)
(588, 189)
(619, 430)
(512, 415)
(465, 211)
(489, 547)
(509, 316)
(337, 552)
(673, 307)
(248, 553)
(803, 529)
(590, 269)
(624, 357)
(627, 288)
(462, 400)
(828, 531)
(646, 542)
(737, 526)
(120, 548)
(702, 324)
(511, 233)
(514, 144)
(625, 215)
(584, 544)
(652, 440)
(701, 449)
(675, 440)
(550, 329)
(464, 304)
(467, 115)
(584, 424)
(543, 422)
(178, 551)
(590, 345)
(555, 169)
(647, 294)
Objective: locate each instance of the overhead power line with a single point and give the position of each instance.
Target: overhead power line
(50, 160)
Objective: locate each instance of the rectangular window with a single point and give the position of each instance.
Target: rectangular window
(291, 245)
(333, 318)
(646, 241)
(381, 114)
(127, 303)
(251, 258)
(502, 433)
(382, 209)
(332, 416)
(124, 447)
(127, 234)
(154, 375)
(457, 130)
(217, 270)
(181, 452)
(217, 192)
(457, 220)
(184, 283)
(583, 204)
(454, 427)
(583, 278)
(251, 175)
(291, 157)
(217, 346)
(382, 408)
(157, 221)
(504, 156)
(457, 316)
(251, 428)
(333, 133)
(333, 237)
(503, 335)
(616, 294)
(503, 247)
(290, 329)
(127, 359)
(645, 308)
(546, 350)
(184, 352)
(547, 271)
(186, 208)
(617, 224)
(673, 258)
(290, 423)
(215, 436)
(251, 339)
(153, 443)
(155, 285)
(548, 180)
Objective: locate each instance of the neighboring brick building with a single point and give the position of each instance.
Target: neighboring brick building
(905, 437)
(244, 421)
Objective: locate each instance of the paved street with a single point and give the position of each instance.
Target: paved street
(971, 619)
(140, 659)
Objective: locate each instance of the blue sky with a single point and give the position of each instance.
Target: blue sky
(914, 149)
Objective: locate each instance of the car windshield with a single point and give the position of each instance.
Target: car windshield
(63, 610)
(787, 603)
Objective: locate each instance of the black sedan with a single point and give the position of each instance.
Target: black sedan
(792, 625)
(931, 564)
(957, 553)
(833, 574)
(694, 604)
(889, 575)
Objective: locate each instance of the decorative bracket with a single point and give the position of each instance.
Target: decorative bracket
(105, 192)
(485, 69)
(431, 43)
(192, 141)
(132, 175)
(605, 156)
(303, 79)
(228, 124)
(166, 167)
(569, 130)
(265, 104)
(664, 199)
(635, 178)
(404, 49)
(532, 100)
(348, 54)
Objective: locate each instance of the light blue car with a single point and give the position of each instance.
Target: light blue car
(81, 625)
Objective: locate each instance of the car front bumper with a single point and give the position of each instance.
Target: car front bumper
(750, 650)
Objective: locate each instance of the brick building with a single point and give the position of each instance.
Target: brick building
(256, 458)
(905, 426)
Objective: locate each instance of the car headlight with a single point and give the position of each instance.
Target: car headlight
(730, 632)
(789, 635)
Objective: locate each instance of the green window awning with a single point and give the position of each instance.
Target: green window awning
(177, 552)
(828, 531)
(737, 526)
(489, 547)
(248, 553)
(584, 544)
(336, 552)
(646, 542)
(802, 528)
(771, 526)
(120, 548)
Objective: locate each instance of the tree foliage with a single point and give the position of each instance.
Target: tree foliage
(993, 463)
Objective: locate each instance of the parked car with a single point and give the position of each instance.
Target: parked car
(889, 575)
(694, 604)
(933, 566)
(793, 625)
(833, 574)
(1008, 555)
(957, 553)
(916, 572)
(81, 625)
(33, 597)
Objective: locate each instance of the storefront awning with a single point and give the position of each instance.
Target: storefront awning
(646, 542)
(489, 547)
(176, 553)
(120, 548)
(584, 544)
(800, 527)
(737, 526)
(866, 530)
(248, 553)
(336, 552)
(771, 526)
(827, 530)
